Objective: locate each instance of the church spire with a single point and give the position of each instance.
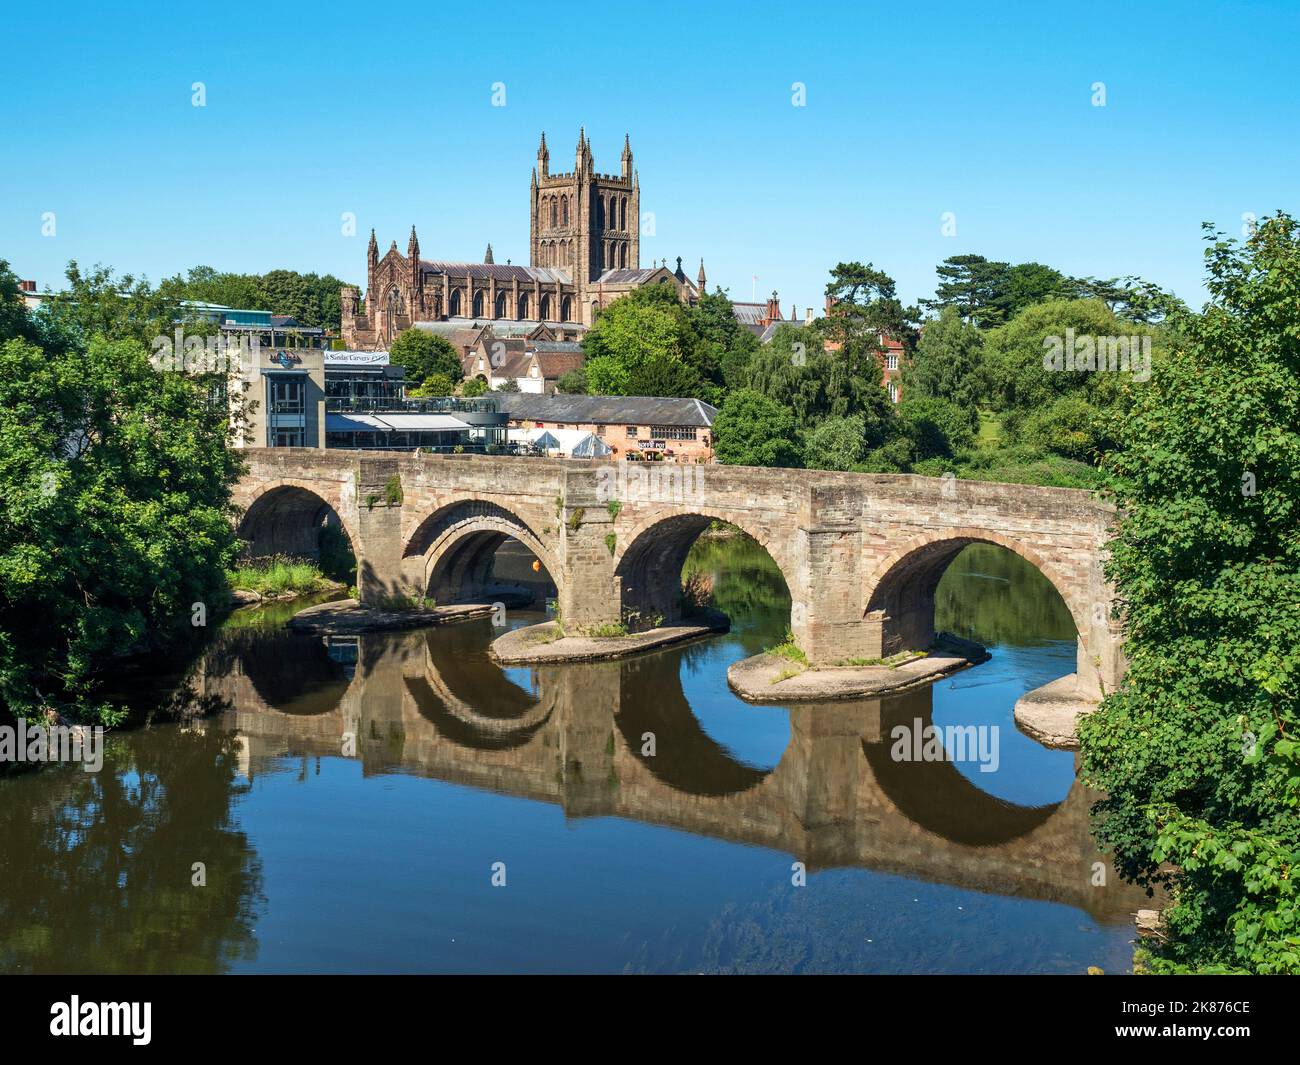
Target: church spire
(627, 157)
(700, 282)
(488, 257)
(413, 246)
(543, 156)
(372, 252)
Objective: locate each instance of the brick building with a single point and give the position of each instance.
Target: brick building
(674, 430)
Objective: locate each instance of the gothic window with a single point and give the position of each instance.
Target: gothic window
(501, 305)
(622, 255)
(613, 213)
(600, 213)
(564, 210)
(478, 304)
(523, 306)
(566, 309)
(546, 308)
(595, 309)
(553, 215)
(622, 213)
(453, 310)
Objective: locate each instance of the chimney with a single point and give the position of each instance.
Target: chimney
(808, 318)
(773, 313)
(27, 286)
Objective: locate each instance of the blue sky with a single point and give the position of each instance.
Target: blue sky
(912, 110)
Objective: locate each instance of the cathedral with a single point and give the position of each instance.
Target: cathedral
(584, 250)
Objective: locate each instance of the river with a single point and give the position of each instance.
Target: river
(398, 803)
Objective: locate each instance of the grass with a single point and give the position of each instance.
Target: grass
(277, 575)
(786, 674)
(789, 649)
(608, 629)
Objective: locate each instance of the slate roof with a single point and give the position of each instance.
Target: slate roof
(607, 410)
(484, 271)
(627, 277)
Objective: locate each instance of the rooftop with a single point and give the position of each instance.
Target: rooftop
(608, 410)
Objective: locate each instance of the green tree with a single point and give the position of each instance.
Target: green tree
(752, 430)
(421, 353)
(948, 364)
(937, 427)
(572, 382)
(642, 345)
(1196, 751)
(475, 386)
(836, 443)
(436, 384)
(115, 481)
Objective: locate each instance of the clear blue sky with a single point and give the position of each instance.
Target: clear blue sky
(385, 110)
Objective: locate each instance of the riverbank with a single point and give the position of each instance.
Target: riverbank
(1050, 714)
(548, 642)
(777, 677)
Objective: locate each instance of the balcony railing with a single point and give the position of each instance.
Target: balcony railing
(431, 405)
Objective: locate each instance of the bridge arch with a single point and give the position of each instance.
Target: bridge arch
(649, 563)
(901, 589)
(287, 517)
(449, 556)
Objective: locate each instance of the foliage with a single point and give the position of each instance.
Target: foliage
(935, 426)
(475, 386)
(436, 384)
(753, 430)
(1197, 749)
(836, 443)
(423, 354)
(948, 364)
(572, 382)
(277, 575)
(115, 485)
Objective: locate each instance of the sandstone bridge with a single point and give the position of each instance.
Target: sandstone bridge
(861, 554)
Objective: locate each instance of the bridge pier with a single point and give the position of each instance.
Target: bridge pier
(590, 592)
(826, 610)
(379, 528)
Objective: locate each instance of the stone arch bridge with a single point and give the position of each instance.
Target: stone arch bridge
(861, 554)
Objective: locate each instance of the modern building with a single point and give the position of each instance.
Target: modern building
(270, 330)
(355, 399)
(633, 427)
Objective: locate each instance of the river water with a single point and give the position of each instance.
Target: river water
(397, 803)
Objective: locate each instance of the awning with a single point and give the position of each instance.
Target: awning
(387, 423)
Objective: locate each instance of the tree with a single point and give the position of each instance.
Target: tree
(936, 427)
(948, 365)
(572, 382)
(642, 346)
(475, 386)
(1197, 750)
(436, 384)
(864, 305)
(974, 286)
(836, 443)
(752, 430)
(421, 353)
(115, 482)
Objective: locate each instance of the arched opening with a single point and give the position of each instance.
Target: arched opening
(453, 305)
(903, 601)
(477, 551)
(523, 306)
(688, 564)
(622, 213)
(554, 214)
(622, 255)
(293, 522)
(600, 213)
(566, 309)
(564, 210)
(545, 312)
(478, 305)
(501, 305)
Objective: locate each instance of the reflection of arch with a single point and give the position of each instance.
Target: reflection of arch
(936, 795)
(293, 674)
(687, 758)
(457, 544)
(286, 519)
(468, 697)
(650, 562)
(903, 585)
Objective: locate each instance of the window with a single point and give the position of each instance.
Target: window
(631, 432)
(600, 429)
(893, 391)
(891, 362)
(673, 432)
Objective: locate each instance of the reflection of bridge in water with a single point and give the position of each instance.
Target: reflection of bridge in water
(432, 703)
